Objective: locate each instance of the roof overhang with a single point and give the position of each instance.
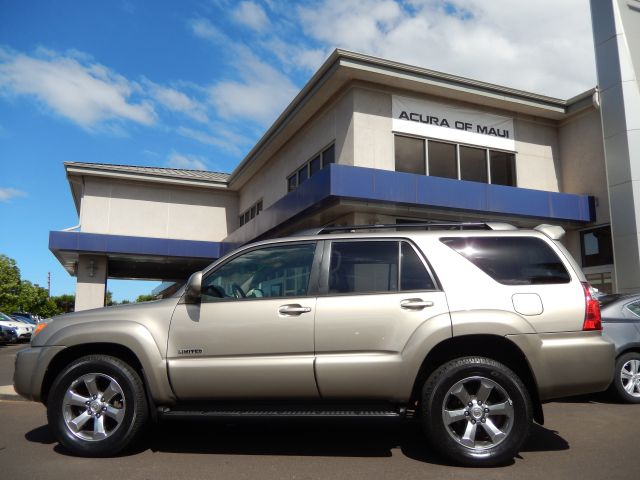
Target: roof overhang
(135, 257)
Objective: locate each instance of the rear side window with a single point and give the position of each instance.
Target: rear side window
(376, 267)
(512, 260)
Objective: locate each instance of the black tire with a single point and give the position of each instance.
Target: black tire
(447, 437)
(132, 400)
(617, 387)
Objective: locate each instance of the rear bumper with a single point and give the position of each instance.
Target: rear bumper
(30, 368)
(568, 363)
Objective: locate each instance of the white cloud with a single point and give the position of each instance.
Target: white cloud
(7, 194)
(225, 139)
(189, 162)
(203, 28)
(86, 93)
(259, 95)
(251, 15)
(544, 46)
(178, 101)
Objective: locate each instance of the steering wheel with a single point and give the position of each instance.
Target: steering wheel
(237, 291)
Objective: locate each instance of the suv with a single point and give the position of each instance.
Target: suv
(468, 327)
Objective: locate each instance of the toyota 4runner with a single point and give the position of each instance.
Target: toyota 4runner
(467, 327)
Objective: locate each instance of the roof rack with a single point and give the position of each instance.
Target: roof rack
(411, 226)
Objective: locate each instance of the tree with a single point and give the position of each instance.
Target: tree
(9, 284)
(145, 298)
(65, 303)
(35, 299)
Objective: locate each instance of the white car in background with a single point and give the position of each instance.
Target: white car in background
(23, 330)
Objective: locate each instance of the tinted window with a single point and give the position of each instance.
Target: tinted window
(634, 308)
(302, 175)
(314, 165)
(473, 164)
(329, 156)
(512, 260)
(597, 248)
(292, 182)
(363, 267)
(409, 154)
(281, 271)
(503, 168)
(413, 274)
(442, 160)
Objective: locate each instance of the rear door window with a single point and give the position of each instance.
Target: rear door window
(512, 260)
(376, 267)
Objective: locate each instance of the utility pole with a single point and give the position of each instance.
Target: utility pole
(49, 284)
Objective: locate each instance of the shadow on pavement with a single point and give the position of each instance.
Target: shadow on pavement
(299, 438)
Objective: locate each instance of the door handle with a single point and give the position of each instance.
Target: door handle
(293, 309)
(415, 304)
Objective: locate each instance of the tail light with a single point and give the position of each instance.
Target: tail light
(592, 320)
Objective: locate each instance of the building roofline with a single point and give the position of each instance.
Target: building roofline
(177, 176)
(542, 105)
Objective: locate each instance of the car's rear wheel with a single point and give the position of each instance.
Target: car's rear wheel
(476, 411)
(97, 406)
(626, 382)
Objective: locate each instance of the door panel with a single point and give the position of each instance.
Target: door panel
(252, 334)
(360, 340)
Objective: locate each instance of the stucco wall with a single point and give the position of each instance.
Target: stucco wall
(582, 160)
(159, 211)
(332, 124)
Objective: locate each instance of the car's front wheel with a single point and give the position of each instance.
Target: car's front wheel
(626, 382)
(97, 406)
(476, 411)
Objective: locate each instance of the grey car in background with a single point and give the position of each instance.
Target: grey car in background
(621, 326)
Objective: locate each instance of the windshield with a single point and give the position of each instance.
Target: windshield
(6, 318)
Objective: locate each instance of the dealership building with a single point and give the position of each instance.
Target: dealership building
(371, 141)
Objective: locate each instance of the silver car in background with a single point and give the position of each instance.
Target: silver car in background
(621, 326)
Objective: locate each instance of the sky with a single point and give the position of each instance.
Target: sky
(195, 83)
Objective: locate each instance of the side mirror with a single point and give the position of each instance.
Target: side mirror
(194, 288)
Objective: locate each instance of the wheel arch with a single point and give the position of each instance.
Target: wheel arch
(495, 347)
(68, 355)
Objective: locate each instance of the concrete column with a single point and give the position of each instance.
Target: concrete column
(91, 282)
(616, 32)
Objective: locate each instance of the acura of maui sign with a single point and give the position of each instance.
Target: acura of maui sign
(453, 123)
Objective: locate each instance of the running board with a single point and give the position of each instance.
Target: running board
(285, 412)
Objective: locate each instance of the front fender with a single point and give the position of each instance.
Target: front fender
(131, 335)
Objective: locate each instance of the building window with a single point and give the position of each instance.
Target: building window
(503, 168)
(311, 167)
(473, 164)
(442, 160)
(409, 153)
(596, 247)
(329, 156)
(460, 162)
(250, 213)
(601, 281)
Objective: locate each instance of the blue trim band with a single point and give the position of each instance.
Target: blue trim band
(384, 186)
(118, 244)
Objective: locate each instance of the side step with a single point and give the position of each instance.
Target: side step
(282, 412)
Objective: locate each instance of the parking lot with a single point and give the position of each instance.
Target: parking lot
(586, 438)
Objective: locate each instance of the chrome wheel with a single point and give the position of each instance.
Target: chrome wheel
(478, 413)
(630, 377)
(93, 407)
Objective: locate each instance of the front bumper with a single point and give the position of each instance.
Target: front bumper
(30, 368)
(568, 363)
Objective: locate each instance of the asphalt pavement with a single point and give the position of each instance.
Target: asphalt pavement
(586, 438)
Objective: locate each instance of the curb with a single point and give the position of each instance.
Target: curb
(8, 393)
